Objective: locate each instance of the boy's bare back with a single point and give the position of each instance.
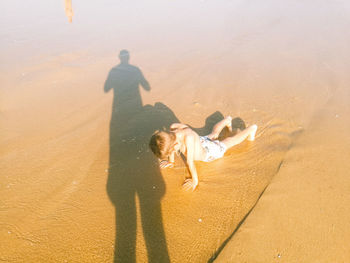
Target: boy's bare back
(189, 141)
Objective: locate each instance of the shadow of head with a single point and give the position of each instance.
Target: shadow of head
(124, 56)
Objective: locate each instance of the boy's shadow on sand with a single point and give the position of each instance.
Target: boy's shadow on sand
(133, 169)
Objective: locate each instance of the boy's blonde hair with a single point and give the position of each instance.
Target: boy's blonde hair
(162, 144)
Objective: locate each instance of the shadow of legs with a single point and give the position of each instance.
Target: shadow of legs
(153, 230)
(125, 240)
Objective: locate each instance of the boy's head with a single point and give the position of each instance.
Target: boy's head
(162, 144)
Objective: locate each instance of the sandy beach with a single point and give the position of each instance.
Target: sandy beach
(78, 182)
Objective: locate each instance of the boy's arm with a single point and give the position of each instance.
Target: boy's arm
(190, 183)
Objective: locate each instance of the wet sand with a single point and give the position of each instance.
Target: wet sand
(78, 183)
(301, 217)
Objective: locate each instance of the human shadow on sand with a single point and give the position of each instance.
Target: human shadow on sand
(133, 172)
(133, 169)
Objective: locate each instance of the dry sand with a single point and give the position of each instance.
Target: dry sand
(78, 183)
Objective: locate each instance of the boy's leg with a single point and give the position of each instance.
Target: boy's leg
(248, 134)
(227, 122)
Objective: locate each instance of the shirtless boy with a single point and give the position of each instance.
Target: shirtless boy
(182, 138)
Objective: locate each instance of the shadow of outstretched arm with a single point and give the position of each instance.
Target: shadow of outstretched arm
(143, 82)
(108, 83)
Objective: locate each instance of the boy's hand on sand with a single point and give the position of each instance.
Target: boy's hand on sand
(189, 185)
(166, 164)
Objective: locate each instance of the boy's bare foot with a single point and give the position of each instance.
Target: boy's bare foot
(251, 136)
